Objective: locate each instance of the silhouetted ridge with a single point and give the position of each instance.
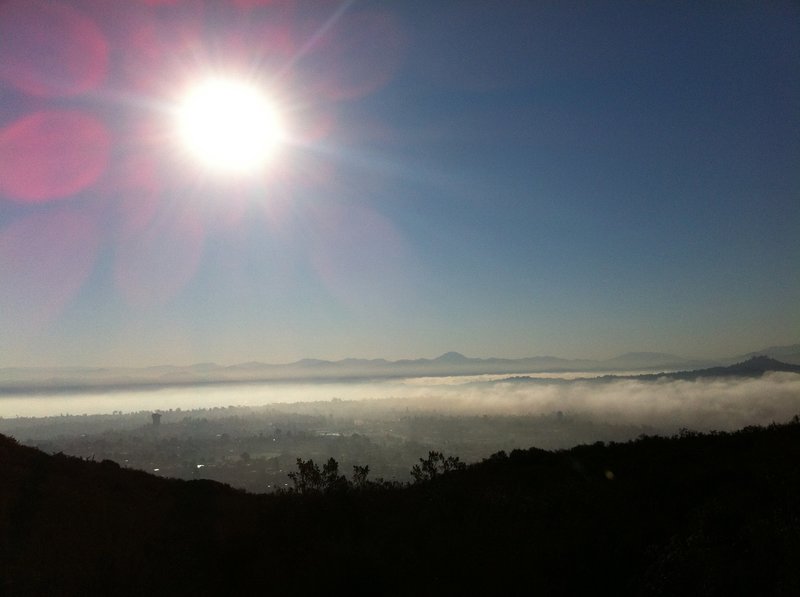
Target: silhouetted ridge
(785, 354)
(710, 514)
(764, 363)
(752, 367)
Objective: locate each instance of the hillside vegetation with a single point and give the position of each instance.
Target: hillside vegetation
(701, 514)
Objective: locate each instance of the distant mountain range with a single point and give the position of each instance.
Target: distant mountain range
(15, 380)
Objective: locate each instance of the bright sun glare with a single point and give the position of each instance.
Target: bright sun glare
(228, 125)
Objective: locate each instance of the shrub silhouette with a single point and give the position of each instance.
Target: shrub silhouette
(310, 479)
(435, 465)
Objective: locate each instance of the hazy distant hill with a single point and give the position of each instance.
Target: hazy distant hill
(692, 515)
(752, 367)
(787, 354)
(78, 379)
(653, 360)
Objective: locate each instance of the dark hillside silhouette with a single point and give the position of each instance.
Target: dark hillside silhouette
(699, 514)
(752, 367)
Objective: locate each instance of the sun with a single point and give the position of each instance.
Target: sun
(229, 126)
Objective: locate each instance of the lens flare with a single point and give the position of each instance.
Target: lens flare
(52, 155)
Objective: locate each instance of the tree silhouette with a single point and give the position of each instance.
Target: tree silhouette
(331, 479)
(360, 474)
(308, 477)
(435, 465)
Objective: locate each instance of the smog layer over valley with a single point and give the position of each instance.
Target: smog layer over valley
(249, 434)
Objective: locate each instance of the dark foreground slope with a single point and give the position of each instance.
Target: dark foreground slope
(698, 514)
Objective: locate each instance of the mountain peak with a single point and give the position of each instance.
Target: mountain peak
(451, 357)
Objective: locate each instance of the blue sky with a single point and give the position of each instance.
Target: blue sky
(502, 179)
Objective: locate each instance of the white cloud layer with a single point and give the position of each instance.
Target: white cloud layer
(720, 404)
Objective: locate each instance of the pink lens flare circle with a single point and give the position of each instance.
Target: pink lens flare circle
(50, 49)
(52, 155)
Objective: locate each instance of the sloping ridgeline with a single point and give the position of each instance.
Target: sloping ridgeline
(715, 514)
(753, 367)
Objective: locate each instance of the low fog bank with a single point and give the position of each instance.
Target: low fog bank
(667, 405)
(721, 404)
(251, 436)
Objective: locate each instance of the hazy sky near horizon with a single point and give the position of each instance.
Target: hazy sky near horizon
(501, 179)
